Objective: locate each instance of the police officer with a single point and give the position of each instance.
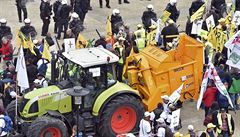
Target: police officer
(81, 8)
(56, 7)
(107, 3)
(116, 21)
(172, 8)
(196, 4)
(75, 25)
(147, 16)
(63, 18)
(140, 37)
(45, 14)
(168, 31)
(28, 30)
(21, 7)
(5, 31)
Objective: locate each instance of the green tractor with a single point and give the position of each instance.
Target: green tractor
(110, 108)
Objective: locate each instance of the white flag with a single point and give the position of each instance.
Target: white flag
(69, 44)
(175, 96)
(21, 70)
(158, 32)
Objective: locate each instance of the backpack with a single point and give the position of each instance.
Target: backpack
(208, 119)
(8, 123)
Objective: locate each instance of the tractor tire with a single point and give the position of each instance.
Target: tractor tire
(121, 115)
(11, 109)
(47, 127)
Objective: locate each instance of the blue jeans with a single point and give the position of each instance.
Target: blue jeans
(224, 134)
(234, 98)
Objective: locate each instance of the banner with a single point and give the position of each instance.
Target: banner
(211, 73)
(198, 14)
(236, 18)
(175, 118)
(202, 33)
(221, 88)
(165, 16)
(210, 22)
(233, 40)
(234, 58)
(203, 87)
(196, 27)
(69, 44)
(22, 77)
(175, 96)
(221, 39)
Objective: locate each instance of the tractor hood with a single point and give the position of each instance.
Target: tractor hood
(41, 91)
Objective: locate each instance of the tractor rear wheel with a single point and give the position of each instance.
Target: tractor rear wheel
(47, 127)
(11, 109)
(121, 115)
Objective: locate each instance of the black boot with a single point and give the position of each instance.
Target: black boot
(125, 1)
(119, 1)
(108, 6)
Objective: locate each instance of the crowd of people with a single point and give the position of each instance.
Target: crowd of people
(122, 40)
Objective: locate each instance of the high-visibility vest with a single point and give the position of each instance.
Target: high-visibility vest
(140, 32)
(219, 117)
(140, 42)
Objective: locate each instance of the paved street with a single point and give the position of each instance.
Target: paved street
(96, 19)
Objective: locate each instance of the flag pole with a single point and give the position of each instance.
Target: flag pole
(16, 107)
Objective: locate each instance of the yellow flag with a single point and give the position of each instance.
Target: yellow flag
(165, 16)
(109, 28)
(21, 39)
(81, 42)
(221, 39)
(151, 37)
(31, 46)
(46, 53)
(199, 13)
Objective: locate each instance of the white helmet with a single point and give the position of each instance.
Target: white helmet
(27, 21)
(3, 21)
(172, 2)
(115, 11)
(64, 2)
(75, 15)
(150, 6)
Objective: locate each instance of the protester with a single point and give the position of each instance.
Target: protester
(6, 51)
(9, 93)
(45, 14)
(172, 8)
(21, 7)
(6, 123)
(145, 126)
(209, 132)
(31, 71)
(218, 6)
(40, 82)
(76, 25)
(148, 16)
(209, 96)
(191, 131)
(169, 32)
(119, 47)
(222, 99)
(196, 4)
(151, 35)
(140, 37)
(225, 124)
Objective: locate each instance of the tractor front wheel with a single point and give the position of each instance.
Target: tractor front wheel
(121, 115)
(47, 127)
